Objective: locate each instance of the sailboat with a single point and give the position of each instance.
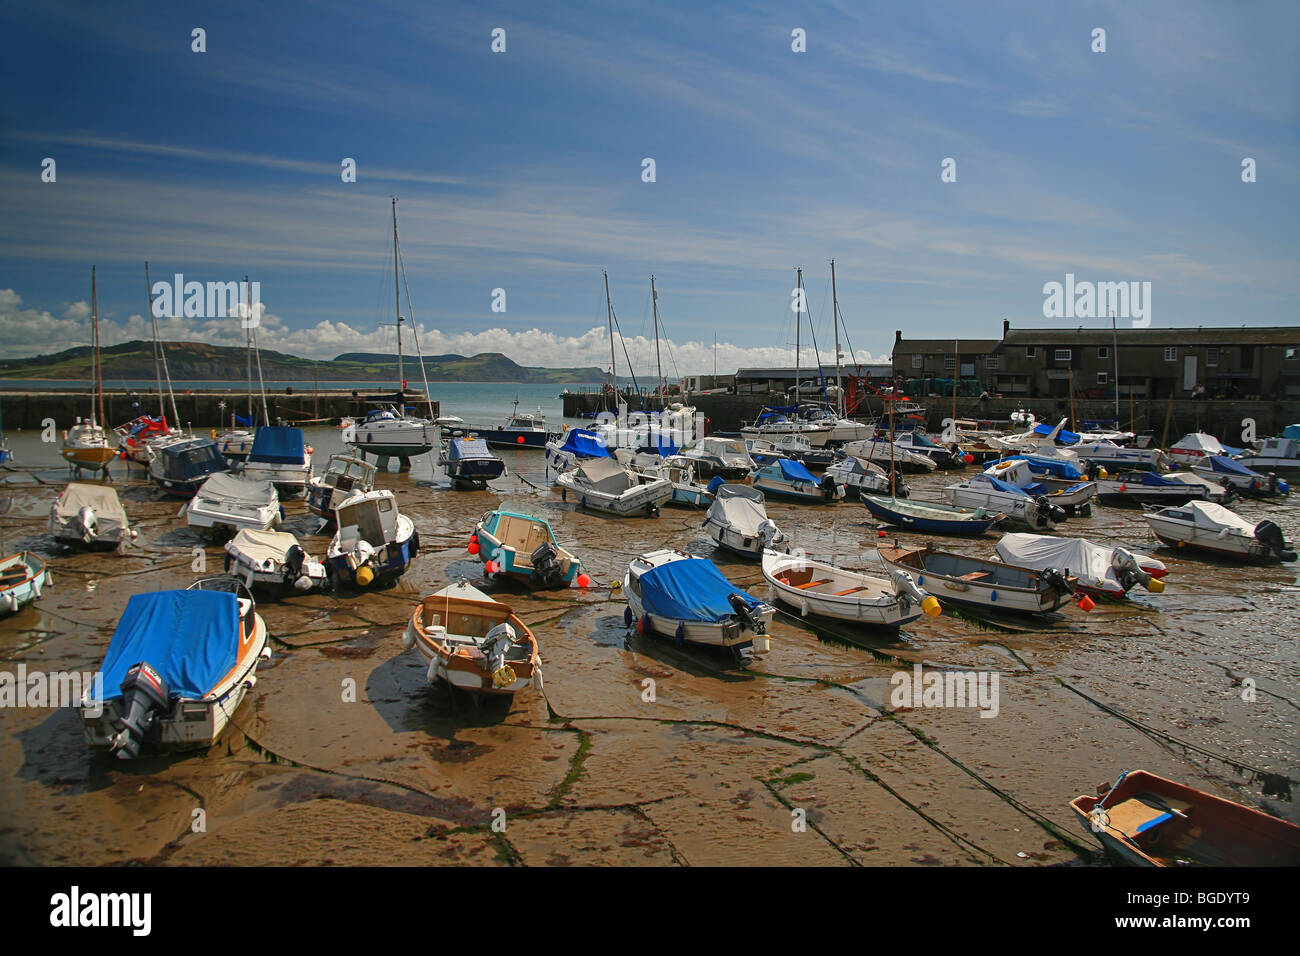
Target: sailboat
(140, 437)
(86, 445)
(388, 432)
(236, 443)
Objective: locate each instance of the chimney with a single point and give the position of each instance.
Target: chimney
(1006, 327)
(898, 336)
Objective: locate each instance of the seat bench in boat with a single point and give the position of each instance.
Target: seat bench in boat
(1140, 814)
(974, 576)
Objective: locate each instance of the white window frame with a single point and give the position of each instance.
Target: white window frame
(1103, 378)
(1211, 358)
(1103, 351)
(949, 363)
(1063, 355)
(1031, 351)
(1171, 353)
(916, 360)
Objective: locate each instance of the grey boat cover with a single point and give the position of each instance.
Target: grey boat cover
(110, 517)
(606, 475)
(740, 507)
(261, 546)
(224, 486)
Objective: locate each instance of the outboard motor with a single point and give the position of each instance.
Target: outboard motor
(1270, 536)
(749, 616)
(145, 697)
(86, 522)
(546, 566)
(905, 587)
(294, 559)
(1128, 571)
(495, 644)
(767, 532)
(1057, 580)
(829, 488)
(1049, 514)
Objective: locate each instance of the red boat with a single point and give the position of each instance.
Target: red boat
(135, 435)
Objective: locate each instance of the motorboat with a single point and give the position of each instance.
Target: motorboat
(1107, 454)
(885, 453)
(235, 444)
(1231, 473)
(281, 455)
(789, 479)
(375, 543)
(1146, 820)
(842, 429)
(136, 438)
(473, 642)
(343, 477)
(648, 467)
(274, 560)
(1071, 496)
(180, 465)
(228, 504)
(686, 598)
(1204, 526)
(23, 577)
(580, 444)
(984, 582)
(775, 421)
(930, 517)
(1275, 455)
(90, 516)
(602, 484)
(920, 443)
(1174, 488)
(388, 432)
(523, 547)
(717, 457)
(821, 589)
(519, 431)
(176, 670)
(994, 494)
(856, 475)
(470, 463)
(793, 446)
(1195, 447)
(737, 520)
(1111, 572)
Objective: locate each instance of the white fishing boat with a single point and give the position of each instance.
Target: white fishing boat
(856, 475)
(818, 588)
(90, 516)
(1020, 507)
(1275, 455)
(1071, 495)
(1111, 572)
(777, 422)
(1204, 526)
(374, 543)
(1148, 487)
(273, 559)
(1107, 454)
(919, 443)
(883, 452)
(602, 484)
(983, 582)
(23, 577)
(686, 598)
(473, 642)
(176, 670)
(344, 476)
(1231, 473)
(842, 429)
(282, 456)
(579, 445)
(228, 504)
(737, 520)
(793, 446)
(648, 467)
(725, 458)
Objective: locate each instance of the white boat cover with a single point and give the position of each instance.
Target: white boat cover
(109, 513)
(1199, 441)
(1091, 563)
(246, 490)
(261, 546)
(606, 475)
(741, 507)
(1206, 514)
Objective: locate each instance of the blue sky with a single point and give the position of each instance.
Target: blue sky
(522, 170)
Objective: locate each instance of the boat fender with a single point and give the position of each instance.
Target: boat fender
(537, 676)
(408, 637)
(628, 617)
(431, 674)
(10, 602)
(415, 543)
(679, 636)
(993, 596)
(250, 681)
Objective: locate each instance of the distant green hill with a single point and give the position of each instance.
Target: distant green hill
(199, 362)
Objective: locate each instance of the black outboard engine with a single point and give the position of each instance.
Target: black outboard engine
(1090, 470)
(1270, 536)
(293, 559)
(828, 486)
(749, 617)
(1048, 511)
(1057, 580)
(145, 697)
(546, 566)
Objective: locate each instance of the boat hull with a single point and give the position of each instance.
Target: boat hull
(880, 509)
(967, 588)
(725, 635)
(16, 592)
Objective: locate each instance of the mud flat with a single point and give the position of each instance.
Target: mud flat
(715, 767)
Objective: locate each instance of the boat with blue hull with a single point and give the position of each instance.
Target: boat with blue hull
(374, 543)
(790, 479)
(523, 547)
(181, 466)
(930, 517)
(469, 463)
(519, 431)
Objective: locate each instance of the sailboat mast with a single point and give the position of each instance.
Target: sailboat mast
(261, 385)
(419, 350)
(654, 301)
(153, 321)
(94, 339)
(835, 317)
(609, 317)
(397, 297)
(798, 322)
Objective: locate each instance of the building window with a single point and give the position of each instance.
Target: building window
(1062, 355)
(1102, 378)
(949, 363)
(1103, 352)
(1030, 351)
(1171, 353)
(1211, 357)
(916, 361)
(992, 363)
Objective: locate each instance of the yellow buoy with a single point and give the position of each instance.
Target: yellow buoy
(504, 676)
(365, 575)
(1156, 586)
(931, 606)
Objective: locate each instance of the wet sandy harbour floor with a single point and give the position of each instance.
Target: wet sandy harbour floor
(589, 771)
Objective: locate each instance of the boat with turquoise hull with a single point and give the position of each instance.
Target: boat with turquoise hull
(523, 547)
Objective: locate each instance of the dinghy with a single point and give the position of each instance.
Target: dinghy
(181, 464)
(813, 587)
(1020, 507)
(579, 445)
(686, 598)
(1071, 496)
(983, 581)
(724, 458)
(1111, 572)
(280, 455)
(176, 670)
(23, 577)
(273, 560)
(602, 484)
(737, 520)
(1244, 481)
(524, 548)
(473, 642)
(470, 463)
(1145, 820)
(1174, 488)
(227, 503)
(1204, 526)
(930, 517)
(374, 543)
(789, 479)
(856, 475)
(90, 516)
(1276, 455)
(344, 476)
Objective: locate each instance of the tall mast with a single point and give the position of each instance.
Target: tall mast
(835, 317)
(654, 301)
(397, 295)
(94, 341)
(261, 385)
(609, 317)
(153, 321)
(419, 350)
(798, 321)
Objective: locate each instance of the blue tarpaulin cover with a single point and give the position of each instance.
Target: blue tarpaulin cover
(190, 638)
(1291, 431)
(1064, 437)
(714, 484)
(1001, 485)
(468, 448)
(690, 590)
(584, 444)
(1230, 466)
(1050, 466)
(242, 420)
(795, 471)
(277, 444)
